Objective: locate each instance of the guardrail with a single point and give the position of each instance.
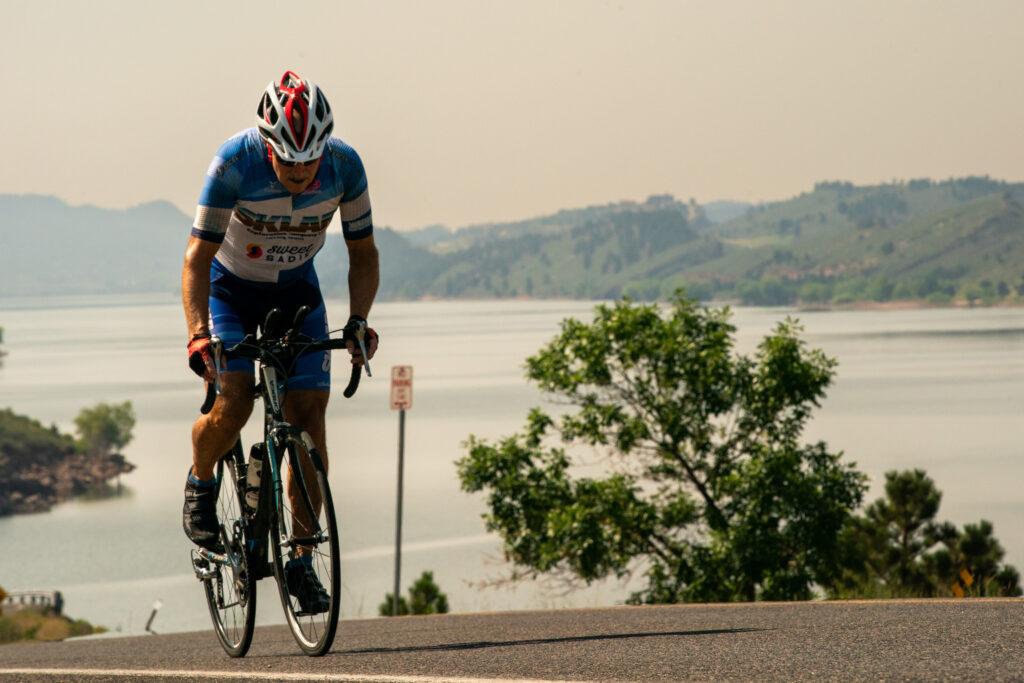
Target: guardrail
(41, 601)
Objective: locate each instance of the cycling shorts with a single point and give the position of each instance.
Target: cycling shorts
(239, 307)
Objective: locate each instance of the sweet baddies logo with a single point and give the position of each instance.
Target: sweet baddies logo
(288, 254)
(253, 251)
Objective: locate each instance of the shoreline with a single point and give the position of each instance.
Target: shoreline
(58, 301)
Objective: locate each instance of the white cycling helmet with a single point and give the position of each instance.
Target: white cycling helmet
(295, 119)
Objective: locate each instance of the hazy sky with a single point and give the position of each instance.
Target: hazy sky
(476, 111)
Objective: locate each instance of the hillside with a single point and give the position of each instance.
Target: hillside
(950, 241)
(60, 249)
(940, 242)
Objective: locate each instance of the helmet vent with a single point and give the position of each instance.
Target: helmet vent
(325, 133)
(287, 137)
(319, 108)
(269, 137)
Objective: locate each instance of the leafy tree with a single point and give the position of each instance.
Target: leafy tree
(105, 428)
(425, 597)
(708, 490)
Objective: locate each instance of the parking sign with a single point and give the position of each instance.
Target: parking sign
(401, 387)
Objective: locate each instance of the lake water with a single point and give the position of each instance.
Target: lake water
(941, 390)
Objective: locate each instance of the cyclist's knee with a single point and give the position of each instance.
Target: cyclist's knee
(235, 403)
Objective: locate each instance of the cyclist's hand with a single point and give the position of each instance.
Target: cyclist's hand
(200, 358)
(370, 339)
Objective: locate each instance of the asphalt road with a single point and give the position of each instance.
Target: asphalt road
(956, 640)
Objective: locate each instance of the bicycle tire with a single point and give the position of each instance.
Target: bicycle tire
(314, 633)
(235, 621)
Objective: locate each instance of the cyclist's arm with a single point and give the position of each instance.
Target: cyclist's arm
(213, 214)
(357, 228)
(363, 275)
(195, 284)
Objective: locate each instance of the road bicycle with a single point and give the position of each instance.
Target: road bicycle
(257, 541)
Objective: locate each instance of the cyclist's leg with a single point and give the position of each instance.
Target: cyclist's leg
(214, 434)
(305, 406)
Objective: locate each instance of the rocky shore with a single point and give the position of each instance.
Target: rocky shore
(40, 466)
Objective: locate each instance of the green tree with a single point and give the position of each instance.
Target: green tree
(105, 428)
(897, 548)
(425, 597)
(708, 491)
(895, 532)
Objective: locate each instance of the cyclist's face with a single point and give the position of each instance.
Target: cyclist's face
(294, 177)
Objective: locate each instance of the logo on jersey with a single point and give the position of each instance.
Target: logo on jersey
(264, 223)
(253, 251)
(289, 254)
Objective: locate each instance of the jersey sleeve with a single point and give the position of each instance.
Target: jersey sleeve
(220, 193)
(354, 209)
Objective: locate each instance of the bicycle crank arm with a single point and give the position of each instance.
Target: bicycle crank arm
(211, 556)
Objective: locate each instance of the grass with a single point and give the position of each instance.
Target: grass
(33, 625)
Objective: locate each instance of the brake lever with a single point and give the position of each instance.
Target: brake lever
(360, 333)
(218, 349)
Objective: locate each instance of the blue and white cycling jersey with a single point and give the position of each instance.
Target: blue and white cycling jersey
(269, 235)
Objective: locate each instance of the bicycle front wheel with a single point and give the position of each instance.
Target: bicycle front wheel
(230, 590)
(306, 548)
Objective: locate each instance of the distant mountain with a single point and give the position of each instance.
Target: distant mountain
(960, 239)
(54, 248)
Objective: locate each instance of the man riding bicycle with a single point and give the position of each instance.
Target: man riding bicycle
(268, 198)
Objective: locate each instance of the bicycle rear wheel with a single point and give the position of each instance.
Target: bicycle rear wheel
(230, 590)
(315, 534)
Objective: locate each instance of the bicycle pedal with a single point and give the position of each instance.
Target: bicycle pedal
(201, 567)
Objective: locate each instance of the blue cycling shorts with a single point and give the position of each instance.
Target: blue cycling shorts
(238, 308)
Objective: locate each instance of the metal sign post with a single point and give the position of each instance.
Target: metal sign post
(401, 400)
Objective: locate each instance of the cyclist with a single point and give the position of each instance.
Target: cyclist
(268, 198)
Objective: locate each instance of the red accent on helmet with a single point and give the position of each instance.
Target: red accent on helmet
(296, 110)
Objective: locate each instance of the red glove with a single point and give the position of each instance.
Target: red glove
(200, 357)
(370, 339)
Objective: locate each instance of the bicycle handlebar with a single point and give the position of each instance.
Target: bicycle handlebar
(266, 347)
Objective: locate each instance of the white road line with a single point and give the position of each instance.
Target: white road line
(262, 676)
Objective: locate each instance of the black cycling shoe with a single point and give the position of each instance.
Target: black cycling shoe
(199, 515)
(303, 584)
